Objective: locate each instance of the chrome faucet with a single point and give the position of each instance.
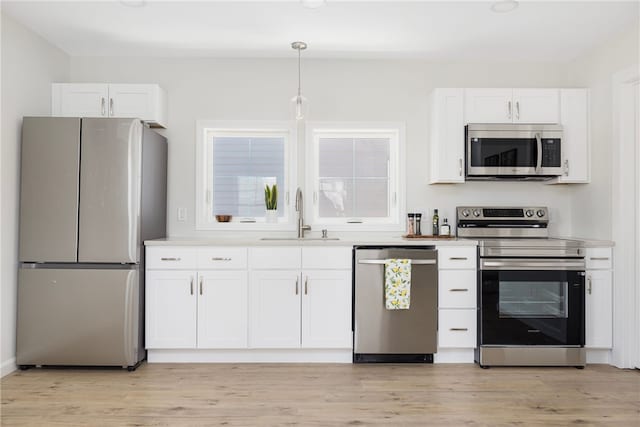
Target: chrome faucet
(300, 209)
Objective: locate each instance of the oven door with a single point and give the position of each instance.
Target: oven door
(532, 307)
(515, 153)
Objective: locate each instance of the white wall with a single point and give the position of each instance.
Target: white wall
(595, 70)
(29, 66)
(356, 90)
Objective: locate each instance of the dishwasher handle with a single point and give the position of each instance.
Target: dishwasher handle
(413, 261)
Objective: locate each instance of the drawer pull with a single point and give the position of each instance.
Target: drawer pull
(458, 258)
(191, 285)
(459, 329)
(218, 258)
(459, 290)
(599, 258)
(169, 259)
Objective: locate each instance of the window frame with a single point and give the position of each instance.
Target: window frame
(397, 178)
(205, 219)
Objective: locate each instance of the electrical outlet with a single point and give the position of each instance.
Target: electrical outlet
(182, 214)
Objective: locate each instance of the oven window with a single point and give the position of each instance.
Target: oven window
(503, 152)
(531, 299)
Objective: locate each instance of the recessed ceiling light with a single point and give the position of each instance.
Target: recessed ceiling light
(313, 4)
(504, 6)
(133, 3)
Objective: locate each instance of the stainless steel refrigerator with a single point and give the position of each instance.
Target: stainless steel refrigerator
(92, 190)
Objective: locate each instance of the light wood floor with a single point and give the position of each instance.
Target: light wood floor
(318, 394)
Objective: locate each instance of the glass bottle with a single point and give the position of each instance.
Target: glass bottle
(411, 224)
(445, 228)
(436, 223)
(417, 230)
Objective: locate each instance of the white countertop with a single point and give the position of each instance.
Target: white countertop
(344, 241)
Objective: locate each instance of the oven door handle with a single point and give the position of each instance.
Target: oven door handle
(539, 145)
(532, 264)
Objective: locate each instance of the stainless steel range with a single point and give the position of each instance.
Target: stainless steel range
(530, 288)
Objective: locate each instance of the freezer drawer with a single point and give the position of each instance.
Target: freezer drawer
(78, 317)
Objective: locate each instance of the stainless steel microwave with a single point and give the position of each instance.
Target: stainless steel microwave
(495, 151)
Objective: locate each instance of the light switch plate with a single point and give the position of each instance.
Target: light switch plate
(182, 214)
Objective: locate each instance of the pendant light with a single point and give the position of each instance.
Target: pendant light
(299, 103)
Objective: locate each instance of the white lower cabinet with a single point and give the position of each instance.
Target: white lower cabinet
(457, 302)
(599, 299)
(191, 308)
(326, 309)
(171, 308)
(275, 309)
(301, 308)
(222, 309)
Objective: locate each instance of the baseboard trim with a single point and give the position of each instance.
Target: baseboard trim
(250, 356)
(600, 355)
(8, 366)
(454, 355)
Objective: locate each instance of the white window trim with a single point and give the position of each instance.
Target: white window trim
(397, 175)
(205, 220)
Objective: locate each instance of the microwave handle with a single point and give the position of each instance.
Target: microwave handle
(539, 144)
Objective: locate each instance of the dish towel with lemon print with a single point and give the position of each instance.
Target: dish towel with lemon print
(397, 284)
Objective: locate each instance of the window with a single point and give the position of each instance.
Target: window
(354, 175)
(235, 163)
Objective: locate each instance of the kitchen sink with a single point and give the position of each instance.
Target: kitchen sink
(300, 239)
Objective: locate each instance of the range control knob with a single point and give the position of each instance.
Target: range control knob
(465, 213)
(476, 213)
(529, 213)
(540, 213)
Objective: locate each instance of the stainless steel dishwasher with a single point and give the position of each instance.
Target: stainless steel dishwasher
(382, 335)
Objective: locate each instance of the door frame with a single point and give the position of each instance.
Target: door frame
(626, 220)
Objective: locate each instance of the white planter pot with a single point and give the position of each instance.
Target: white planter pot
(272, 216)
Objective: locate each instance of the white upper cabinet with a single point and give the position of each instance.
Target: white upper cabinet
(536, 106)
(488, 106)
(447, 136)
(574, 117)
(147, 102)
(511, 105)
(80, 100)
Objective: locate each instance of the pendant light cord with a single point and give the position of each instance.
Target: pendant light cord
(299, 78)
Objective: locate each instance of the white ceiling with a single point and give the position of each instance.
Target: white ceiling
(458, 31)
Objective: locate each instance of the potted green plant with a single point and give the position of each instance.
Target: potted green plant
(271, 203)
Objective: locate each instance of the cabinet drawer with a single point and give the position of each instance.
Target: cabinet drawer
(334, 258)
(457, 257)
(221, 258)
(171, 258)
(457, 289)
(275, 258)
(457, 328)
(599, 259)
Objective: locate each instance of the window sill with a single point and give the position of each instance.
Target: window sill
(245, 226)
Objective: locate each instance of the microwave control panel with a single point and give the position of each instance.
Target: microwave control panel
(551, 153)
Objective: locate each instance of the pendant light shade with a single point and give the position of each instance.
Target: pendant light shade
(299, 103)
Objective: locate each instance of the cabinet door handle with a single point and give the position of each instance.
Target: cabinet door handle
(589, 284)
(200, 285)
(518, 110)
(459, 290)
(103, 106)
(566, 167)
(306, 285)
(458, 258)
(599, 258)
(296, 286)
(460, 166)
(458, 329)
(191, 285)
(217, 258)
(509, 107)
(111, 107)
(169, 259)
